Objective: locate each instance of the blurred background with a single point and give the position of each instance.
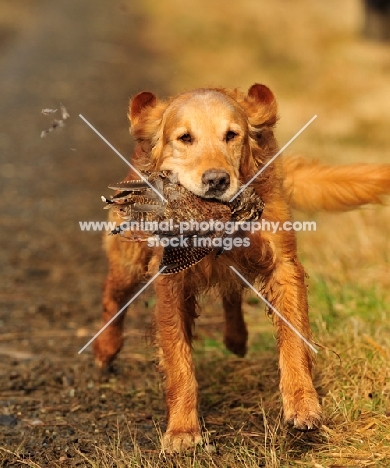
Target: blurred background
(326, 58)
(318, 58)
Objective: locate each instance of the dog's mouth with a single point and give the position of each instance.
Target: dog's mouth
(214, 193)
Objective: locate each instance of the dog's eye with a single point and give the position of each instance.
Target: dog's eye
(230, 135)
(186, 138)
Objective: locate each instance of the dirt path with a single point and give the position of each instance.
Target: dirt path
(89, 56)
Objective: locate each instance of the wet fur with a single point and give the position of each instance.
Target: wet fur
(271, 261)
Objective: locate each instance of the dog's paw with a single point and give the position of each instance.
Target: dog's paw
(238, 347)
(180, 441)
(105, 351)
(304, 414)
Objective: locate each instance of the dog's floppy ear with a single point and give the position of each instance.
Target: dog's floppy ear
(145, 115)
(139, 103)
(260, 105)
(261, 110)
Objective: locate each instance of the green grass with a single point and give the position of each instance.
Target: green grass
(342, 304)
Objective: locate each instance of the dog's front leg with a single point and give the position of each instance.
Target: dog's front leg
(286, 291)
(175, 314)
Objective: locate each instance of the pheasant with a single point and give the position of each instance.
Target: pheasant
(159, 205)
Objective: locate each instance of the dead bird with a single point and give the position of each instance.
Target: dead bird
(193, 226)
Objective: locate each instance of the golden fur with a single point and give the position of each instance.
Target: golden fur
(232, 132)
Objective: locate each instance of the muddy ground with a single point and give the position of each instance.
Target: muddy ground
(90, 56)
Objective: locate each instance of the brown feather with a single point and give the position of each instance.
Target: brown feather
(136, 201)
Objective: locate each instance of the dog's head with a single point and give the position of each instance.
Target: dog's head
(214, 139)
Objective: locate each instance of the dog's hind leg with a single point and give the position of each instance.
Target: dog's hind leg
(127, 269)
(235, 334)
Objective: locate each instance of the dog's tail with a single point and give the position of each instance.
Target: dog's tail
(316, 187)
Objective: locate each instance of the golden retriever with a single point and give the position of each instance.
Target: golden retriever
(215, 140)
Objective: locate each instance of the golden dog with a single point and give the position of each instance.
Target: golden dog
(216, 140)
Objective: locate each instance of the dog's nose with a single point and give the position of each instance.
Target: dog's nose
(216, 180)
